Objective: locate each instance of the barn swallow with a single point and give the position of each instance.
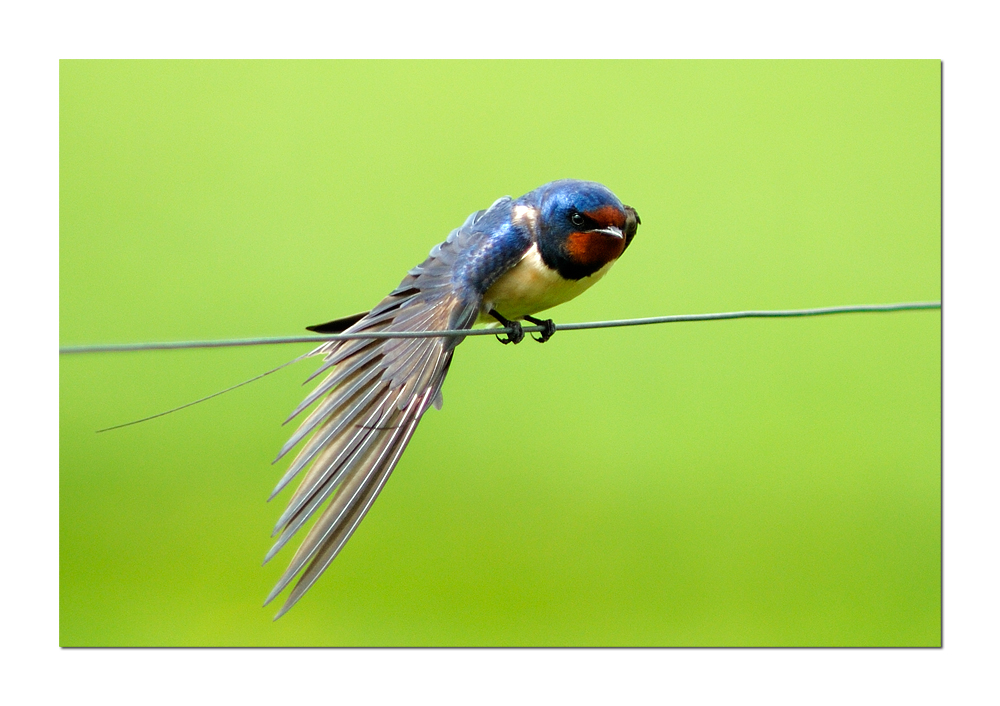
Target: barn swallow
(514, 259)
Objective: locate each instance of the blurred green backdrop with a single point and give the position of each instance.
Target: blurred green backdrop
(727, 483)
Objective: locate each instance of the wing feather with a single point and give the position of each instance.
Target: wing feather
(329, 441)
(375, 395)
(351, 382)
(337, 425)
(339, 533)
(355, 362)
(371, 400)
(362, 463)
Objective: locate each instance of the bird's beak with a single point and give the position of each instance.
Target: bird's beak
(613, 231)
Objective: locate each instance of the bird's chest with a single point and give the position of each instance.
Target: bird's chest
(531, 286)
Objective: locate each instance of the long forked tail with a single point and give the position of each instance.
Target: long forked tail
(371, 400)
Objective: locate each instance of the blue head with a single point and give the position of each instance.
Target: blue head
(582, 226)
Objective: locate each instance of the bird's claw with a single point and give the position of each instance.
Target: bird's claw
(549, 328)
(516, 334)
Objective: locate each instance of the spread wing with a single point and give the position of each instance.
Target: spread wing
(370, 402)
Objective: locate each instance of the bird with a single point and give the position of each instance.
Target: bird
(504, 264)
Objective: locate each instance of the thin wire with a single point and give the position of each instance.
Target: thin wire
(762, 314)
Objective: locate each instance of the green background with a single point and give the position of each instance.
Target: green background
(726, 483)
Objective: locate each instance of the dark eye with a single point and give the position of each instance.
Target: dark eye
(576, 219)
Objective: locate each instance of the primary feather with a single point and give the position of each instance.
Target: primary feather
(375, 394)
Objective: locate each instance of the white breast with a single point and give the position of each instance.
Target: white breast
(530, 286)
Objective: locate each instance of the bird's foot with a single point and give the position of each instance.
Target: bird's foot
(516, 334)
(549, 328)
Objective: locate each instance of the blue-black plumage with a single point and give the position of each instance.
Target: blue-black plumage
(505, 263)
